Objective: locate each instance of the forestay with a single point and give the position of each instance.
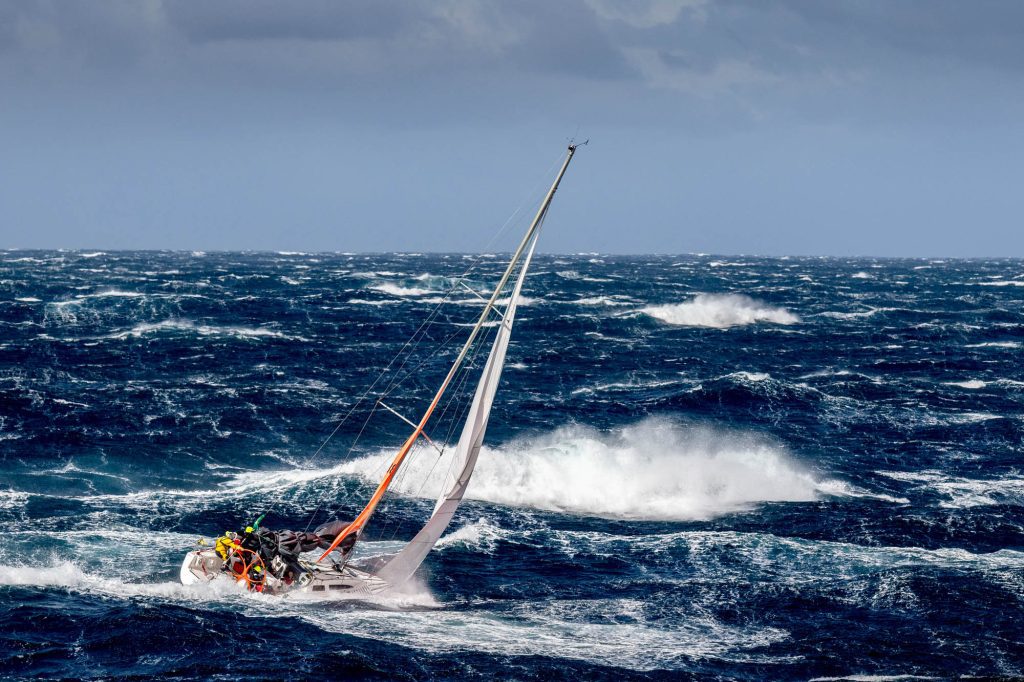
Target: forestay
(401, 566)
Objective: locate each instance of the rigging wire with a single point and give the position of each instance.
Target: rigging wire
(459, 395)
(502, 314)
(459, 400)
(407, 351)
(538, 188)
(462, 407)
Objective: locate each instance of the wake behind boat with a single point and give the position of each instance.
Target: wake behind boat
(280, 563)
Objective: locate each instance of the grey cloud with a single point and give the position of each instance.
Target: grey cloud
(564, 37)
(824, 117)
(262, 44)
(242, 20)
(793, 59)
(981, 32)
(108, 36)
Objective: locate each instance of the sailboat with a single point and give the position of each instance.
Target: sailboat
(333, 573)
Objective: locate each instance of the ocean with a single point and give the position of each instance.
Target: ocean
(697, 467)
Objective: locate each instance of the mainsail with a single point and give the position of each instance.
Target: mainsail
(402, 565)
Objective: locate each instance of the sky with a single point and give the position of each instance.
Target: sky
(791, 127)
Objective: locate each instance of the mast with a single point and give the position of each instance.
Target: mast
(361, 519)
(400, 567)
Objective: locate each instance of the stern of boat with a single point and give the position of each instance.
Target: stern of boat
(200, 566)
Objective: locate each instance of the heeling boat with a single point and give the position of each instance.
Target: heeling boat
(332, 573)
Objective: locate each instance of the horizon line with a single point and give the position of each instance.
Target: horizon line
(692, 254)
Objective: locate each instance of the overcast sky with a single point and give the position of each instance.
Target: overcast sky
(886, 128)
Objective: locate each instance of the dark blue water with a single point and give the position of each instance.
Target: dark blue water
(696, 467)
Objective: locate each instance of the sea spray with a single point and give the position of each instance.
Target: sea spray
(656, 469)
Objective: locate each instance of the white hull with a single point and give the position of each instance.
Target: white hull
(202, 566)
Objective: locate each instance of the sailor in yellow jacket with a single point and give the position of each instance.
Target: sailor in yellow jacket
(226, 545)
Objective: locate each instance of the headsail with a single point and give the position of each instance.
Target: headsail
(403, 564)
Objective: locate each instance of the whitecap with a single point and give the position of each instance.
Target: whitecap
(624, 386)
(961, 492)
(749, 377)
(652, 470)
(602, 300)
(61, 401)
(843, 489)
(720, 311)
(10, 499)
(201, 329)
(995, 344)
(873, 678)
(363, 301)
(972, 417)
(850, 316)
(397, 290)
(969, 384)
(481, 535)
(113, 293)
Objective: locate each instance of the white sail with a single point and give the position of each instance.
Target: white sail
(402, 565)
(204, 564)
(530, 239)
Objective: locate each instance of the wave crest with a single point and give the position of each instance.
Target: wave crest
(653, 470)
(720, 311)
(400, 291)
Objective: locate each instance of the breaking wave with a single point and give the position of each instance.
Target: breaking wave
(720, 311)
(397, 290)
(654, 470)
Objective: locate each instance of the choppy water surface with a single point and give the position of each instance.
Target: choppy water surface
(697, 466)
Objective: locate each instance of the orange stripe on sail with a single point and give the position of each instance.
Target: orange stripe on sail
(358, 523)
